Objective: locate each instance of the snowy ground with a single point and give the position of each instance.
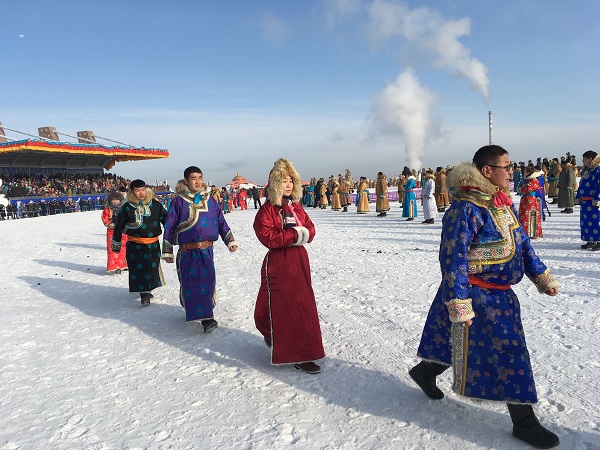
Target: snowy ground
(82, 365)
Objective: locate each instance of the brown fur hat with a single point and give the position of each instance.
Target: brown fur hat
(131, 198)
(280, 170)
(114, 196)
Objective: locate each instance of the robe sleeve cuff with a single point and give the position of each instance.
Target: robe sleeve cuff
(460, 310)
(545, 281)
(167, 248)
(303, 235)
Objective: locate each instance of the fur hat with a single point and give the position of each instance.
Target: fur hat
(280, 170)
(114, 196)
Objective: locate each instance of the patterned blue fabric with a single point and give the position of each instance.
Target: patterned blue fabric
(589, 218)
(541, 194)
(489, 358)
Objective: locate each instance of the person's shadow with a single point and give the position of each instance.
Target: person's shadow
(360, 390)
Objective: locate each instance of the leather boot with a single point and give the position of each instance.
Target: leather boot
(424, 375)
(527, 428)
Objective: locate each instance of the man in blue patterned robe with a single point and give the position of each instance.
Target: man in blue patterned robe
(474, 323)
(589, 195)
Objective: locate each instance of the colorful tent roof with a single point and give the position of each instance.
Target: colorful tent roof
(40, 153)
(240, 180)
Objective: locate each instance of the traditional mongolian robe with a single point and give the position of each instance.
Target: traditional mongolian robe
(226, 202)
(441, 191)
(483, 252)
(382, 204)
(141, 222)
(428, 198)
(530, 208)
(553, 181)
(400, 186)
(336, 204)
(243, 199)
(344, 191)
(541, 192)
(566, 184)
(114, 261)
(362, 198)
(310, 196)
(194, 222)
(517, 179)
(286, 311)
(409, 205)
(324, 199)
(589, 194)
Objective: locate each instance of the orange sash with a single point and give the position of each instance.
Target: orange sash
(486, 284)
(142, 240)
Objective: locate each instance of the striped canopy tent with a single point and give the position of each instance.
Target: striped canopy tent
(44, 153)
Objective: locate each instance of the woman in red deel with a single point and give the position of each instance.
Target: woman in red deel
(286, 311)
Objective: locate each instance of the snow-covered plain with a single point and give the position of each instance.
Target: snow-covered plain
(83, 365)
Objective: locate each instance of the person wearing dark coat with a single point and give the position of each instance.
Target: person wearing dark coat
(256, 197)
(141, 218)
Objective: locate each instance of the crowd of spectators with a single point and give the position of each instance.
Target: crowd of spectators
(43, 195)
(57, 185)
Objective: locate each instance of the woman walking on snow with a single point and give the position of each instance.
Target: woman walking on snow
(286, 311)
(115, 261)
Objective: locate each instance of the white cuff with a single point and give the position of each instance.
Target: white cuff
(303, 235)
(231, 244)
(167, 255)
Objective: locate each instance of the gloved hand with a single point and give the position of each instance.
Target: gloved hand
(115, 246)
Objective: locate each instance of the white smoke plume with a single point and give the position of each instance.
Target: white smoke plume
(403, 109)
(430, 31)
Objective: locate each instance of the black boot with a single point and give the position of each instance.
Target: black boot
(588, 245)
(209, 325)
(424, 375)
(527, 427)
(382, 214)
(345, 209)
(145, 298)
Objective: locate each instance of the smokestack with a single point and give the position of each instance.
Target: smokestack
(490, 122)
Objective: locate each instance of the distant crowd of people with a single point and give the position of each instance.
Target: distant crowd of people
(45, 193)
(60, 185)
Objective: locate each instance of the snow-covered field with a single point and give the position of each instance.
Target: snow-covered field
(83, 365)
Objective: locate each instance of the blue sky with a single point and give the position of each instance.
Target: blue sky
(367, 85)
